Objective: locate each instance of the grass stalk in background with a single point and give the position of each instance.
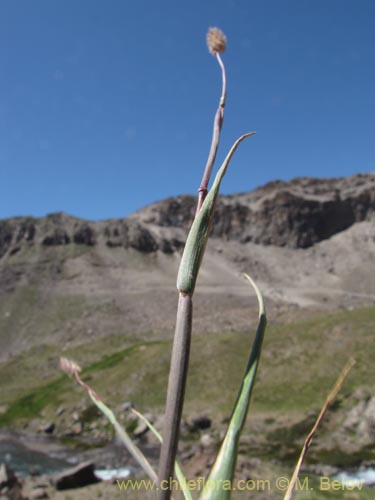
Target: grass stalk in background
(73, 369)
(331, 396)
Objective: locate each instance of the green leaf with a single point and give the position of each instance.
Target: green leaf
(179, 474)
(222, 471)
(198, 235)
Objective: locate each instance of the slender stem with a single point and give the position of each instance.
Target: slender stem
(182, 337)
(218, 123)
(175, 395)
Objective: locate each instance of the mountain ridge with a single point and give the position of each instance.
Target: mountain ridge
(296, 214)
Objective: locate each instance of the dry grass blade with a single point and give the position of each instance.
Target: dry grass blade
(331, 396)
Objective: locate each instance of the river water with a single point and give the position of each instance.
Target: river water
(363, 476)
(44, 456)
(25, 460)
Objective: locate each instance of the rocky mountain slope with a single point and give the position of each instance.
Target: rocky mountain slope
(309, 243)
(296, 214)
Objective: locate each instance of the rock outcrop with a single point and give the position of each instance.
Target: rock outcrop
(295, 214)
(10, 485)
(76, 477)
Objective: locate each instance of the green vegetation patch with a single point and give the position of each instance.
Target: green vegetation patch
(300, 363)
(31, 405)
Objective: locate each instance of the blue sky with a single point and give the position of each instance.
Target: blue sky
(107, 106)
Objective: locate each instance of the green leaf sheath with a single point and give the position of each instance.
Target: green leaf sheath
(198, 235)
(222, 472)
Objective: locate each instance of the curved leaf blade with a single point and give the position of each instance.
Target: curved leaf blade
(198, 234)
(222, 471)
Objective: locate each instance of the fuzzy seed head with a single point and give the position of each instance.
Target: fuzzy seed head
(216, 41)
(68, 366)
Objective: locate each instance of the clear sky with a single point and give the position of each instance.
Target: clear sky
(107, 105)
